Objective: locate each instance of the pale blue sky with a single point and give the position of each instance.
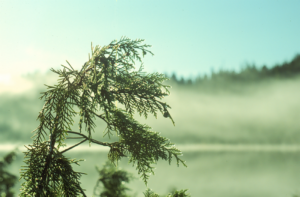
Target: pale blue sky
(187, 37)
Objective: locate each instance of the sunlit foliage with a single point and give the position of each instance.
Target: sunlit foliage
(106, 78)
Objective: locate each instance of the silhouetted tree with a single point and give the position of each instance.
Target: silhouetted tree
(174, 78)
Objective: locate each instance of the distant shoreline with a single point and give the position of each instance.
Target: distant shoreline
(187, 148)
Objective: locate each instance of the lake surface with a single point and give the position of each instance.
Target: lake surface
(243, 172)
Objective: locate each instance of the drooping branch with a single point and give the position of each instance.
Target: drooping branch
(92, 140)
(107, 77)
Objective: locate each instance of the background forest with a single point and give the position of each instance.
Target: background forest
(237, 130)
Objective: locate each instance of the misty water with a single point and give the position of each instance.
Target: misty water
(209, 173)
(237, 140)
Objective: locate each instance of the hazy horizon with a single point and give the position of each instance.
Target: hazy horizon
(263, 112)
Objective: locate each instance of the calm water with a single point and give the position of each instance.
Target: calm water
(212, 173)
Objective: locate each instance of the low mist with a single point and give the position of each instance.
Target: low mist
(264, 112)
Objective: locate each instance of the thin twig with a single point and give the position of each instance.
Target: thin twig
(75, 137)
(92, 140)
(73, 146)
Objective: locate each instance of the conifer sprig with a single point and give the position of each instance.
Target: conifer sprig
(106, 78)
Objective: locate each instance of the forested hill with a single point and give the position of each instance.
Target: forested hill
(249, 73)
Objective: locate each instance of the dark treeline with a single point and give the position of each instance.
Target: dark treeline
(250, 73)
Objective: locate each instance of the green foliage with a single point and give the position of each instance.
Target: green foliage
(60, 176)
(176, 193)
(179, 193)
(7, 180)
(111, 181)
(150, 193)
(111, 184)
(106, 78)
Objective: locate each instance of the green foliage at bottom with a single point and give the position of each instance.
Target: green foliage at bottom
(62, 179)
(179, 193)
(176, 193)
(7, 180)
(111, 181)
(111, 184)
